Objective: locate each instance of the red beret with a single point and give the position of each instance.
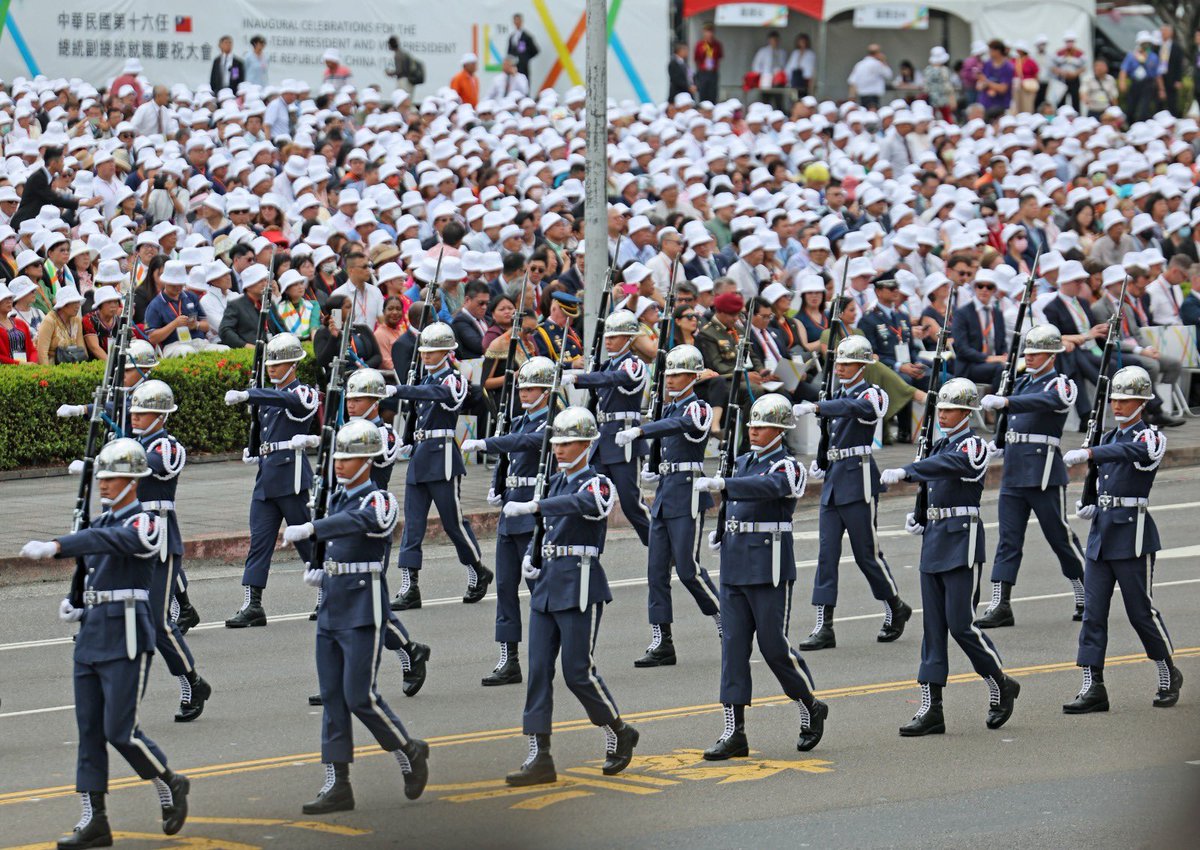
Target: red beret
(728, 302)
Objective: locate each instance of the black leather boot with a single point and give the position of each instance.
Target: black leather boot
(732, 744)
(194, 707)
(538, 768)
(251, 613)
(999, 613)
(478, 589)
(1092, 697)
(92, 829)
(174, 813)
(811, 733)
(1168, 696)
(1002, 709)
(618, 752)
(414, 677)
(661, 651)
(416, 755)
(410, 598)
(188, 616)
(929, 719)
(894, 627)
(315, 699)
(508, 669)
(822, 636)
(335, 795)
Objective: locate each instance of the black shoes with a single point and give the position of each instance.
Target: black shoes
(93, 830)
(251, 613)
(414, 678)
(336, 796)
(1092, 699)
(811, 735)
(315, 699)
(538, 768)
(508, 671)
(188, 617)
(409, 600)
(997, 617)
(476, 592)
(888, 632)
(1165, 698)
(1078, 615)
(929, 720)
(999, 712)
(175, 815)
(661, 652)
(621, 755)
(417, 753)
(189, 711)
(822, 638)
(732, 746)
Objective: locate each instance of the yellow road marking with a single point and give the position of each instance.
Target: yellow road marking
(312, 825)
(190, 842)
(627, 776)
(539, 803)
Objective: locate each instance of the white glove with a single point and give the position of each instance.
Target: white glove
(304, 441)
(68, 613)
(469, 446)
(520, 508)
(1084, 511)
(236, 396)
(995, 451)
(815, 472)
(1076, 456)
(494, 499)
(993, 402)
(313, 578)
(293, 533)
(65, 411)
(248, 458)
(892, 476)
(569, 376)
(648, 475)
(626, 436)
(529, 570)
(804, 408)
(712, 485)
(912, 526)
(404, 452)
(75, 467)
(39, 549)
(713, 543)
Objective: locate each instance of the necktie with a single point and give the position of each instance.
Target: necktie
(159, 112)
(987, 329)
(712, 269)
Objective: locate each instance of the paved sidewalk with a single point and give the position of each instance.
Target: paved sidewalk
(214, 503)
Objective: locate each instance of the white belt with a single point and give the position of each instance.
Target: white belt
(163, 505)
(681, 466)
(1043, 439)
(432, 434)
(265, 449)
(339, 568)
(849, 451)
(934, 514)
(1106, 501)
(100, 597)
(519, 481)
(626, 416)
(549, 550)
(733, 526)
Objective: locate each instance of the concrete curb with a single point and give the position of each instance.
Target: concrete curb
(232, 547)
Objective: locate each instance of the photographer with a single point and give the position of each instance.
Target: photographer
(167, 200)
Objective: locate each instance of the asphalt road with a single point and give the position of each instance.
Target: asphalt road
(1129, 778)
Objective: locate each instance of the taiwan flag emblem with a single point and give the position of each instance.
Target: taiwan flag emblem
(183, 23)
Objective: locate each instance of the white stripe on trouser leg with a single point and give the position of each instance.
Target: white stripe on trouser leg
(1071, 539)
(594, 628)
(787, 616)
(133, 734)
(971, 618)
(1154, 615)
(462, 523)
(167, 597)
(371, 691)
(695, 550)
(887, 573)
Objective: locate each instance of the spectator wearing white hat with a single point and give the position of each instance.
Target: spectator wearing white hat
(60, 336)
(1140, 79)
(175, 321)
(510, 82)
(869, 77)
(1068, 66)
(641, 240)
(668, 259)
(745, 272)
(895, 146)
(16, 339)
(336, 73)
(1115, 242)
(705, 261)
(219, 278)
(465, 84)
(294, 312)
(100, 324)
(940, 86)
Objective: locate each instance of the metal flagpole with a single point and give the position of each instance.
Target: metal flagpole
(595, 229)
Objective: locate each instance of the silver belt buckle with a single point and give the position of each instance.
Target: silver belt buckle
(732, 526)
(91, 597)
(933, 514)
(664, 468)
(834, 454)
(1105, 500)
(548, 551)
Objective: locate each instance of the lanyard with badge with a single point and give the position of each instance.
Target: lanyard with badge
(183, 332)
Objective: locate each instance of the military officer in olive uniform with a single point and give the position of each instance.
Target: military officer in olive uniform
(115, 643)
(1122, 544)
(952, 553)
(758, 569)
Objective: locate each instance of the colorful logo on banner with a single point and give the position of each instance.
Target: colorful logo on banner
(9, 24)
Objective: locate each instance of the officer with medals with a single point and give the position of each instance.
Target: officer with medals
(619, 386)
(522, 444)
(758, 568)
(1034, 476)
(350, 621)
(569, 594)
(677, 514)
(436, 470)
(150, 405)
(1122, 544)
(115, 643)
(555, 330)
(286, 411)
(850, 497)
(952, 553)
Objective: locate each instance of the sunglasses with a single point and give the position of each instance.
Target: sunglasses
(687, 315)
(988, 286)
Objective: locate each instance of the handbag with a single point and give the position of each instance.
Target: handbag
(1029, 84)
(70, 354)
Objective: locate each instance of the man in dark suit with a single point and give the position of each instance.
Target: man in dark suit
(511, 273)
(39, 192)
(1173, 72)
(1080, 331)
(679, 76)
(227, 69)
(469, 324)
(522, 46)
(239, 324)
(706, 262)
(980, 345)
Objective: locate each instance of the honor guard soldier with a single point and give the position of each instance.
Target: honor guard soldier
(1122, 544)
(619, 386)
(952, 550)
(115, 643)
(350, 621)
(1034, 476)
(436, 470)
(758, 568)
(850, 497)
(569, 594)
(365, 388)
(677, 514)
(522, 444)
(150, 405)
(284, 474)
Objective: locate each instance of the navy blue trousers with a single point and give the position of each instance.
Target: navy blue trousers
(1136, 578)
(510, 550)
(418, 498)
(857, 518)
(949, 600)
(168, 640)
(1050, 507)
(574, 633)
(106, 707)
(347, 664)
(677, 540)
(266, 516)
(624, 476)
(762, 610)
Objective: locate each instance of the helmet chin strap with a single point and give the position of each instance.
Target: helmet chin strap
(536, 401)
(579, 461)
(623, 348)
(108, 503)
(846, 382)
(159, 422)
(951, 432)
(286, 377)
(1125, 420)
(362, 470)
(1044, 367)
(684, 391)
(769, 446)
(436, 367)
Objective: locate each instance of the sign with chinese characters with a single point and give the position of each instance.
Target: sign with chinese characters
(891, 17)
(752, 15)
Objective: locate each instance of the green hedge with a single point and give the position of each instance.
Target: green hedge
(32, 435)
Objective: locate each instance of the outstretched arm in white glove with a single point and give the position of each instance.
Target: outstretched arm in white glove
(40, 549)
(300, 442)
(892, 476)
(993, 402)
(520, 508)
(626, 436)
(804, 408)
(1076, 456)
(66, 411)
(469, 446)
(236, 396)
(295, 533)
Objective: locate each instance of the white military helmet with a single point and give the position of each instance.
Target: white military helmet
(536, 372)
(366, 383)
(284, 348)
(1044, 339)
(772, 411)
(140, 355)
(357, 438)
(854, 349)
(1131, 382)
(153, 397)
(574, 424)
(684, 359)
(621, 323)
(958, 394)
(438, 336)
(122, 458)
